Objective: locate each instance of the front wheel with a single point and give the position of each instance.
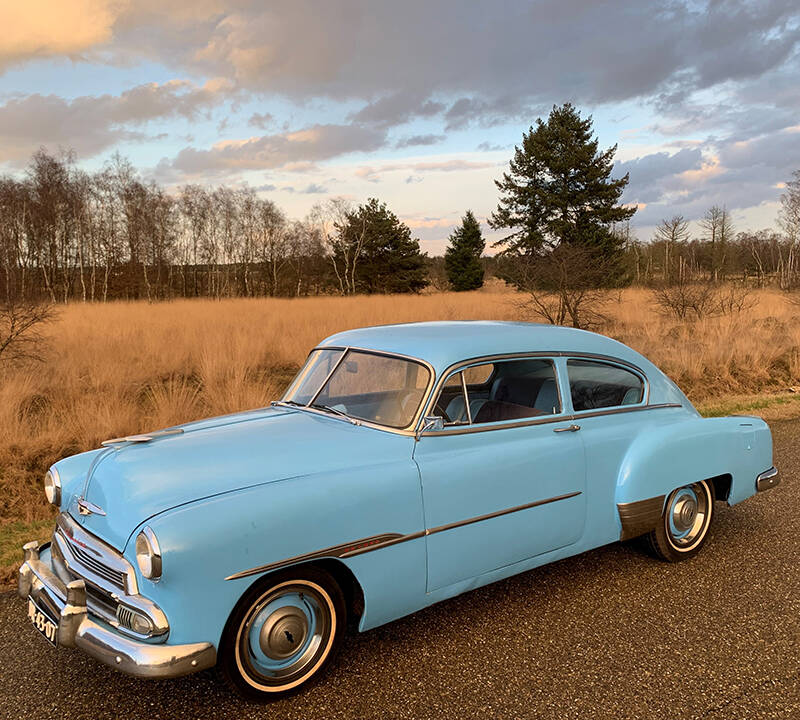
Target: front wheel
(283, 633)
(685, 522)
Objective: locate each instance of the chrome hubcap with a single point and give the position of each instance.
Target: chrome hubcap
(684, 513)
(283, 633)
(688, 515)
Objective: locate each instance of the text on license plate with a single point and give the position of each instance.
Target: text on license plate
(41, 622)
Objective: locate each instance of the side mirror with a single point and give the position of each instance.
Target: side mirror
(432, 423)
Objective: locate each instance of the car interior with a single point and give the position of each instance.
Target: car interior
(513, 390)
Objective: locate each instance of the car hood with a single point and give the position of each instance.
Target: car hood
(135, 481)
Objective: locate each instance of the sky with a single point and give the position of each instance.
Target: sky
(418, 103)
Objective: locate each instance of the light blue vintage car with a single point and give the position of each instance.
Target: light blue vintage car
(405, 464)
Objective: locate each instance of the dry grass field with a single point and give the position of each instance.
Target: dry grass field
(121, 368)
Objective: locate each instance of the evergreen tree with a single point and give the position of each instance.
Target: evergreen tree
(387, 258)
(463, 256)
(559, 191)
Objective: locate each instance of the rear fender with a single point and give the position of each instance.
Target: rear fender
(664, 458)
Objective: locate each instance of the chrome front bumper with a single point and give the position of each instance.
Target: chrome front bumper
(767, 480)
(77, 629)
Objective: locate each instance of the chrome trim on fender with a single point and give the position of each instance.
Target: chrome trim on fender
(767, 479)
(639, 517)
(376, 542)
(75, 628)
(350, 549)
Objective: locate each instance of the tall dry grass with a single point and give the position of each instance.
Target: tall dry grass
(121, 368)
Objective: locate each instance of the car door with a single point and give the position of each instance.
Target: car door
(503, 479)
(607, 399)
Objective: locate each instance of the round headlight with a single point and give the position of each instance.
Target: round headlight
(52, 487)
(148, 554)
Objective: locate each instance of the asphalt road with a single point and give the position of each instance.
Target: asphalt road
(609, 634)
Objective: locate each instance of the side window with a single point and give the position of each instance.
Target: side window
(594, 384)
(494, 392)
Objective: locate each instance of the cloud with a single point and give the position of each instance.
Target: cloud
(648, 172)
(373, 174)
(414, 140)
(261, 120)
(42, 28)
(90, 124)
(282, 150)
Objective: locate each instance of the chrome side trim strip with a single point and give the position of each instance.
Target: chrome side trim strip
(623, 409)
(639, 517)
(498, 513)
(349, 549)
(376, 542)
(544, 420)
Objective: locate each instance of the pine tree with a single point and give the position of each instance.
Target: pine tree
(462, 258)
(559, 190)
(388, 259)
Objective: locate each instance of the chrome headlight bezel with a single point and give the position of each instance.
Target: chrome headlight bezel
(148, 554)
(52, 487)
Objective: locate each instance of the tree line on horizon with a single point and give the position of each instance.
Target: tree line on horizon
(69, 234)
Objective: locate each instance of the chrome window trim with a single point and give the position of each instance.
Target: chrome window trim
(408, 430)
(464, 364)
(622, 365)
(539, 420)
(376, 542)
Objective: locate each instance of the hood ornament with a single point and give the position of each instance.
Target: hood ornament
(143, 438)
(87, 508)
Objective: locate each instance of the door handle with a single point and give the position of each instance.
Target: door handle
(569, 428)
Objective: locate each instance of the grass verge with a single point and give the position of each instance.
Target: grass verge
(12, 537)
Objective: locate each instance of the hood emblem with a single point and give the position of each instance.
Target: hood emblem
(87, 508)
(143, 438)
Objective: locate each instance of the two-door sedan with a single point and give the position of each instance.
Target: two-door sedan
(404, 465)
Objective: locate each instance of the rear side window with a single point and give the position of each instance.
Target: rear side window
(595, 384)
(499, 391)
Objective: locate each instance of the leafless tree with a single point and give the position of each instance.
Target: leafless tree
(671, 232)
(566, 286)
(718, 228)
(21, 324)
(789, 221)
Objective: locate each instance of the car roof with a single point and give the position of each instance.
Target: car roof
(443, 343)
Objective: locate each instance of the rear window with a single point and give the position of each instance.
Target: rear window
(594, 384)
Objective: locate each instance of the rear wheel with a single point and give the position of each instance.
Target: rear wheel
(685, 522)
(283, 633)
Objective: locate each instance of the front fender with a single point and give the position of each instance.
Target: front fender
(206, 541)
(664, 458)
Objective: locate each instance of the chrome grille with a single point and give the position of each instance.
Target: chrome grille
(88, 557)
(85, 558)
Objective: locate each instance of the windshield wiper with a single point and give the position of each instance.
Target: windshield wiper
(334, 411)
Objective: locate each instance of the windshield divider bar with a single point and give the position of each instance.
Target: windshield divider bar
(328, 377)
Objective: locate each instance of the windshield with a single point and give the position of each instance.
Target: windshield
(383, 389)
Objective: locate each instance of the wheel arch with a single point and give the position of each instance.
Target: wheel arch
(344, 577)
